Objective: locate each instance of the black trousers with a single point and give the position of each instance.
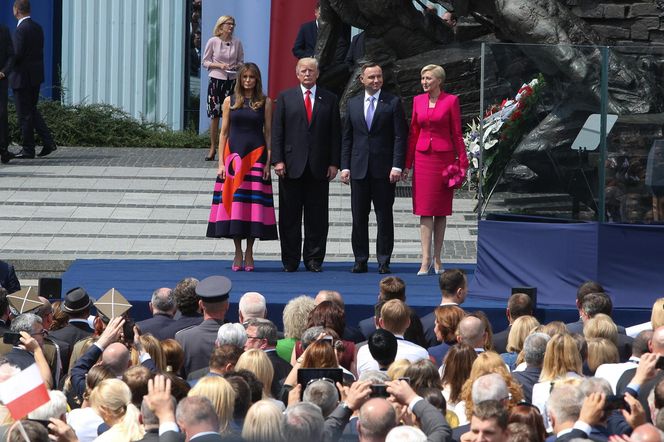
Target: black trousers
(30, 119)
(4, 121)
(380, 192)
(297, 195)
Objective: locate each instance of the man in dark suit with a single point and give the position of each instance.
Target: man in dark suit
(262, 335)
(372, 158)
(186, 299)
(77, 305)
(25, 79)
(306, 143)
(6, 64)
(197, 419)
(572, 414)
(162, 305)
(533, 350)
(8, 279)
(305, 42)
(198, 341)
(519, 304)
(454, 289)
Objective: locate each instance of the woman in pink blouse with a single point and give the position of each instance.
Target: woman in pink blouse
(437, 155)
(222, 58)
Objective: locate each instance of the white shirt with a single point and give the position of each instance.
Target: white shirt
(405, 350)
(84, 422)
(541, 393)
(638, 328)
(312, 96)
(613, 372)
(21, 21)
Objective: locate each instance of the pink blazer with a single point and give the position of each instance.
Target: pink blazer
(438, 129)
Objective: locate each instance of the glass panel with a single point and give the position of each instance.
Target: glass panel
(540, 98)
(635, 146)
(193, 65)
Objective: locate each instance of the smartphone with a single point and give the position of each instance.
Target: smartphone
(379, 390)
(660, 363)
(11, 338)
(615, 402)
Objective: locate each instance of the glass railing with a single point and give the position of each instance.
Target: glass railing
(574, 133)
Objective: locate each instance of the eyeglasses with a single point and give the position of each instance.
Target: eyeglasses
(44, 333)
(254, 337)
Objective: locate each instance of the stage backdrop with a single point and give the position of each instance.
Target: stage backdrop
(267, 30)
(557, 258)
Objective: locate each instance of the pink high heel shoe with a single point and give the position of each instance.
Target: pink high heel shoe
(249, 268)
(236, 267)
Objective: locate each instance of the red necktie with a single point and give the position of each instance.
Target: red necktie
(307, 104)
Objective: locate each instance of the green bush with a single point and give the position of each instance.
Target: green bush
(105, 125)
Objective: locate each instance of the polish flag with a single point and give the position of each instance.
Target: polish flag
(24, 392)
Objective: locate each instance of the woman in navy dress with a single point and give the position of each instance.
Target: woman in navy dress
(242, 204)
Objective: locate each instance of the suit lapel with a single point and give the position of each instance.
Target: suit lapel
(317, 105)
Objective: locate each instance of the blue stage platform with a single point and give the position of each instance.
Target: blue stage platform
(136, 279)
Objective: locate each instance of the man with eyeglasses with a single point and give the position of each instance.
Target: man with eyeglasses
(262, 335)
(29, 350)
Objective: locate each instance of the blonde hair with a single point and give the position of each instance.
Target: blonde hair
(295, 316)
(601, 326)
(436, 70)
(521, 328)
(486, 363)
(398, 368)
(657, 316)
(553, 328)
(222, 395)
(263, 422)
(216, 31)
(257, 362)
(395, 316)
(111, 399)
(153, 347)
(561, 356)
(601, 351)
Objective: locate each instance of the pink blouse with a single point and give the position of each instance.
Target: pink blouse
(218, 51)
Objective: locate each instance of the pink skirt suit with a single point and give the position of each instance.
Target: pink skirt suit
(435, 141)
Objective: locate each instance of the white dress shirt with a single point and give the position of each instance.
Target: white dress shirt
(613, 372)
(312, 96)
(405, 350)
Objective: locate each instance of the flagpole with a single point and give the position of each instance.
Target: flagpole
(22, 431)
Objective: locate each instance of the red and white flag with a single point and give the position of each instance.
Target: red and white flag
(24, 392)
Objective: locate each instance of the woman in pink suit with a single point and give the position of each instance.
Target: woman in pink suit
(437, 155)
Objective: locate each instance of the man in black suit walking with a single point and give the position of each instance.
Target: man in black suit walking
(306, 149)
(25, 79)
(6, 64)
(372, 157)
(305, 42)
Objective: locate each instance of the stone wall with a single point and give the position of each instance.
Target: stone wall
(623, 22)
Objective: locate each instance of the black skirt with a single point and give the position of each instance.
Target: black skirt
(218, 90)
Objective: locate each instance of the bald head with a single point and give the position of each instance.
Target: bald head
(658, 340)
(646, 433)
(163, 301)
(472, 332)
(329, 295)
(116, 357)
(377, 418)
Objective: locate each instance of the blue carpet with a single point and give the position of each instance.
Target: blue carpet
(137, 279)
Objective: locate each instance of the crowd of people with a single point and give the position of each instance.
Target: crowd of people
(186, 373)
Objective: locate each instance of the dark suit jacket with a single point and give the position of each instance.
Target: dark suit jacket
(574, 434)
(500, 341)
(281, 371)
(67, 336)
(305, 42)
(183, 322)
(8, 279)
(644, 391)
(20, 358)
(367, 326)
(372, 153)
(6, 53)
(353, 334)
(151, 436)
(527, 378)
(428, 323)
(29, 55)
(198, 344)
(355, 51)
(298, 143)
(158, 326)
(438, 352)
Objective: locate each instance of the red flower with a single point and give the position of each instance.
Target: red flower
(516, 115)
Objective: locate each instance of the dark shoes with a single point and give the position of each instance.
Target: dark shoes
(384, 269)
(290, 268)
(314, 267)
(6, 156)
(359, 267)
(47, 150)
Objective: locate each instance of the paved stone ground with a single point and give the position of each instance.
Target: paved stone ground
(154, 203)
